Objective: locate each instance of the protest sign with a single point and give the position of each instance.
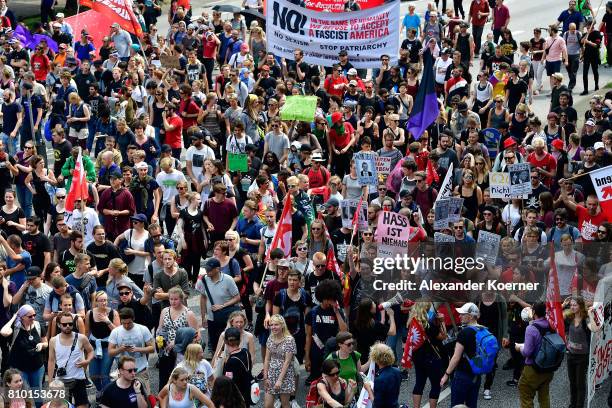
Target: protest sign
(602, 182)
(338, 6)
(170, 61)
(440, 237)
(446, 211)
(237, 161)
(446, 188)
(365, 164)
(348, 208)
(519, 178)
(487, 246)
(499, 186)
(383, 165)
(299, 107)
(392, 234)
(600, 361)
(364, 34)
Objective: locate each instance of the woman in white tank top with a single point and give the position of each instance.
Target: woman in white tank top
(178, 393)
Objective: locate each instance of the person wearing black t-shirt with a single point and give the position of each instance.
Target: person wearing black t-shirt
(126, 391)
(413, 45)
(607, 23)
(516, 90)
(465, 384)
(103, 251)
(37, 244)
(320, 274)
(238, 365)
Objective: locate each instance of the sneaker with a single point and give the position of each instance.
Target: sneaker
(487, 394)
(404, 375)
(259, 376)
(584, 93)
(512, 383)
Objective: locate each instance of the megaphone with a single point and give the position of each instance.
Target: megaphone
(395, 300)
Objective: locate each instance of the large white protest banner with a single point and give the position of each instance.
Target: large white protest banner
(600, 354)
(499, 186)
(364, 34)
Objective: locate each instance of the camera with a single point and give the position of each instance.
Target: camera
(61, 372)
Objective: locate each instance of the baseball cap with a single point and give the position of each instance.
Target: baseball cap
(211, 263)
(123, 283)
(509, 142)
(557, 144)
(469, 308)
(232, 334)
(139, 217)
(462, 107)
(33, 272)
(336, 117)
(191, 27)
(353, 83)
(590, 122)
(599, 145)
(59, 15)
(352, 71)
(342, 53)
(296, 144)
(116, 174)
(141, 165)
(305, 148)
(284, 263)
(332, 202)
(115, 25)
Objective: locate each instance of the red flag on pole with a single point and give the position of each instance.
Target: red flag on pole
(415, 339)
(78, 187)
(554, 313)
(119, 10)
(282, 236)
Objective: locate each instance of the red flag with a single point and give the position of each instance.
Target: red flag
(332, 263)
(415, 339)
(119, 10)
(282, 236)
(432, 174)
(78, 187)
(554, 313)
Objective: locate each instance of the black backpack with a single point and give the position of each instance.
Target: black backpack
(292, 314)
(550, 355)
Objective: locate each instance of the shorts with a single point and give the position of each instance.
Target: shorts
(263, 337)
(553, 67)
(80, 134)
(78, 392)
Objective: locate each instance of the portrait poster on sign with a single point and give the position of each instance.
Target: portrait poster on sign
(519, 178)
(487, 246)
(348, 208)
(365, 164)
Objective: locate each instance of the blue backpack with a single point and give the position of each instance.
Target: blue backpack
(487, 347)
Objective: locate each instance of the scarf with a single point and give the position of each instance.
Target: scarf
(139, 186)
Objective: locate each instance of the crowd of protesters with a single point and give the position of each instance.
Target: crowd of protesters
(94, 292)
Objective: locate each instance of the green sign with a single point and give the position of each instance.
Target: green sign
(237, 162)
(298, 107)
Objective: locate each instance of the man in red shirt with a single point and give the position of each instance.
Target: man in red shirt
(173, 125)
(318, 176)
(40, 64)
(342, 138)
(479, 11)
(188, 111)
(501, 19)
(336, 83)
(542, 162)
(589, 217)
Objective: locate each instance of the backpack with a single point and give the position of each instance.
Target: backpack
(487, 348)
(291, 314)
(551, 352)
(313, 399)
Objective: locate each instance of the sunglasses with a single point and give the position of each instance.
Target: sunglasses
(334, 374)
(366, 234)
(302, 249)
(316, 229)
(509, 157)
(601, 232)
(124, 293)
(61, 197)
(130, 370)
(320, 266)
(34, 315)
(70, 324)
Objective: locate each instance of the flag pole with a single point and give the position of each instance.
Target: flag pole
(83, 204)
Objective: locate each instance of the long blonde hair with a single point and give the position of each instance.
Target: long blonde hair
(280, 320)
(420, 311)
(191, 355)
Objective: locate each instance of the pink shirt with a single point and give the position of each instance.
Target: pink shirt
(555, 48)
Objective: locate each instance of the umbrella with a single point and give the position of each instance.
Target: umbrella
(228, 8)
(254, 14)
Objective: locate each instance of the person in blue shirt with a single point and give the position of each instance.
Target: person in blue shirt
(85, 49)
(17, 261)
(31, 103)
(411, 20)
(387, 379)
(571, 15)
(249, 227)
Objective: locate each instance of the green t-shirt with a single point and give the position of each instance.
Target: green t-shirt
(348, 366)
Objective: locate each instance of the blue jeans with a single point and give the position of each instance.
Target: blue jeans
(34, 379)
(24, 195)
(10, 143)
(91, 125)
(393, 341)
(99, 369)
(464, 389)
